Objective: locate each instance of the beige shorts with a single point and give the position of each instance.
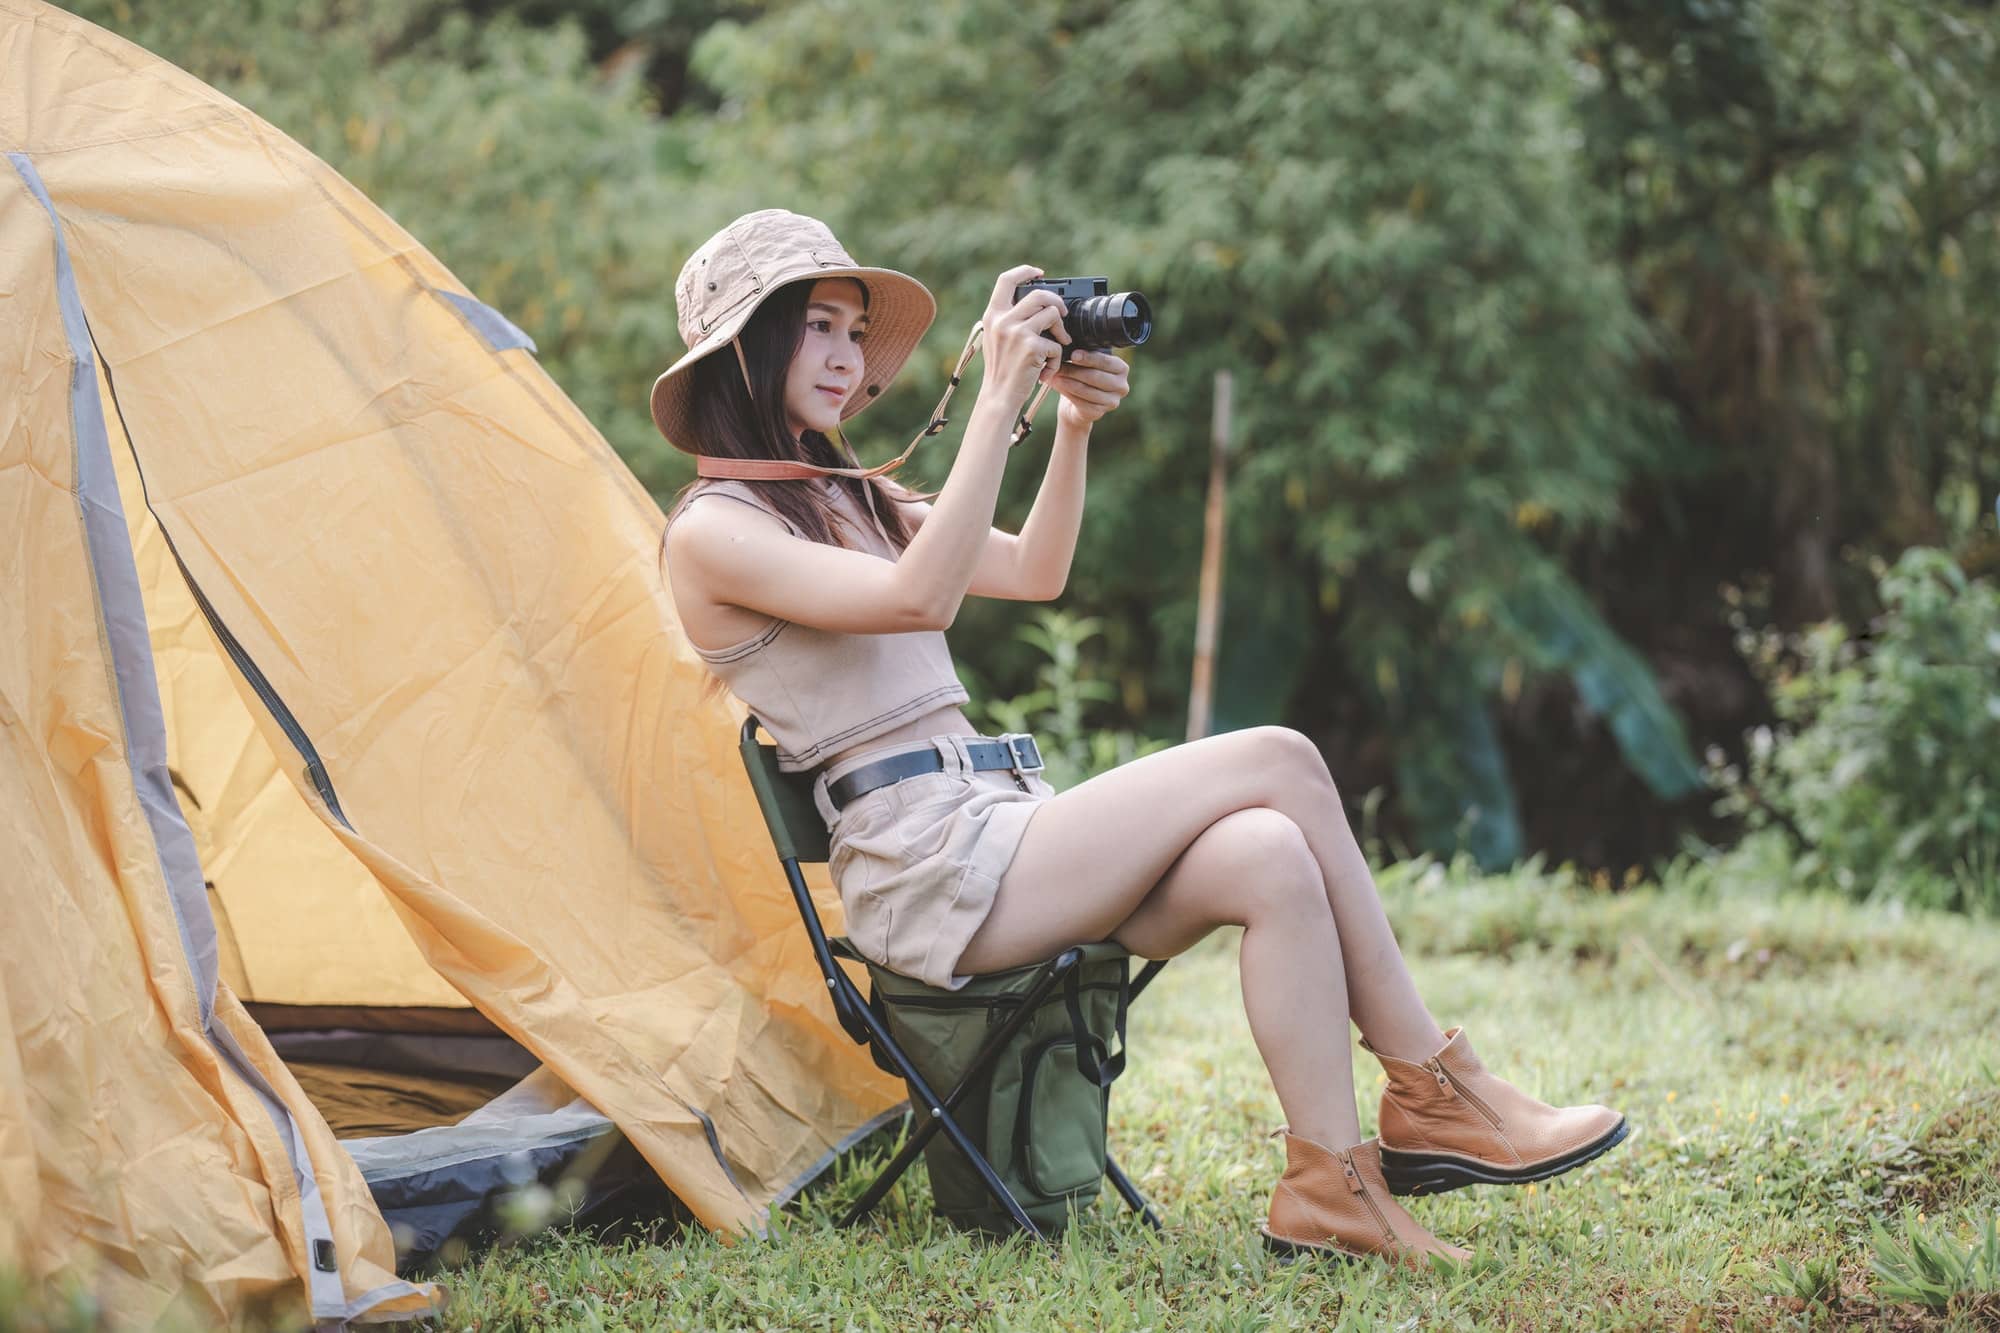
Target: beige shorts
(917, 862)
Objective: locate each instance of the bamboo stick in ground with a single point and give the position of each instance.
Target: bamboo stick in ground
(1208, 601)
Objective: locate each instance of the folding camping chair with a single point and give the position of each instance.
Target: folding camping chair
(800, 836)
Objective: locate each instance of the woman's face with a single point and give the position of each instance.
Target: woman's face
(826, 371)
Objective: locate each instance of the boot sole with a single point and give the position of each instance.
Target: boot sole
(1290, 1250)
(1296, 1251)
(1435, 1173)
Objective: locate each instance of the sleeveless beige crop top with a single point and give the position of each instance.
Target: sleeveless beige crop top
(818, 692)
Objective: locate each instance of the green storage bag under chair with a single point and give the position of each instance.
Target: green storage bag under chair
(1037, 1109)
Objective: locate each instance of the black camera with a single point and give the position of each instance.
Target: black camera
(1095, 315)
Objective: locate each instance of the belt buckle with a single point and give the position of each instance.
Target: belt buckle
(1027, 756)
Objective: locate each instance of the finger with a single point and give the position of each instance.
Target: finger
(1005, 285)
(1044, 317)
(1054, 325)
(1081, 391)
(1031, 312)
(1042, 300)
(1101, 379)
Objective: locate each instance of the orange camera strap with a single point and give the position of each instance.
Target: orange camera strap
(772, 469)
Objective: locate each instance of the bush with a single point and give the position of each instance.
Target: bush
(1055, 709)
(1885, 766)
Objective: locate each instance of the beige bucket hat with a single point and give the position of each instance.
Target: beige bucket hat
(724, 282)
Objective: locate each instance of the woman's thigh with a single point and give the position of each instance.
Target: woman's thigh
(1091, 854)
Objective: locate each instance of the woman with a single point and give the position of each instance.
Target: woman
(819, 596)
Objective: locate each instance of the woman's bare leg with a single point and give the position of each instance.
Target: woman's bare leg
(1253, 869)
(1092, 854)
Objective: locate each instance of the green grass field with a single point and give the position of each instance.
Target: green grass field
(1796, 1072)
(1814, 1089)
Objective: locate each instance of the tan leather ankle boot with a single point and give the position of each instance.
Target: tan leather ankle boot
(1336, 1203)
(1447, 1122)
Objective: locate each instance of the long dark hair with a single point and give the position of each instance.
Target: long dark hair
(730, 423)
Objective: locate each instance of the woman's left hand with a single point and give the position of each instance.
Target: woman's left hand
(1091, 384)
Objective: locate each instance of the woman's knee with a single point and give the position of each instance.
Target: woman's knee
(1286, 757)
(1267, 867)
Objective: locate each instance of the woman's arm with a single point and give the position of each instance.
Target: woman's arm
(736, 555)
(1034, 565)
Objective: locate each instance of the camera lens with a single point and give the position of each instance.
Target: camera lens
(1122, 319)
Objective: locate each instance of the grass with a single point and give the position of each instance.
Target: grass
(1798, 1072)
(1814, 1088)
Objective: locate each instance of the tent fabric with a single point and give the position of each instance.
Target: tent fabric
(336, 671)
(141, 1104)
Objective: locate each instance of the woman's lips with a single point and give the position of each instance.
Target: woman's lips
(835, 394)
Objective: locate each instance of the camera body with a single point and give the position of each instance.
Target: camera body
(1095, 316)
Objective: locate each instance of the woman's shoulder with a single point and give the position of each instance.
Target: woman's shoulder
(728, 489)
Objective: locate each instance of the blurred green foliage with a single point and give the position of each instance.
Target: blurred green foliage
(1884, 771)
(1556, 329)
(1064, 710)
(1395, 262)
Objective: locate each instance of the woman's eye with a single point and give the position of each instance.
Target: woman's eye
(858, 334)
(819, 325)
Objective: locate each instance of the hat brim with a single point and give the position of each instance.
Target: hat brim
(900, 312)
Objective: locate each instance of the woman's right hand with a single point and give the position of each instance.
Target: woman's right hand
(1017, 341)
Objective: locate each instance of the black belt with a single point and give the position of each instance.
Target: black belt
(1015, 751)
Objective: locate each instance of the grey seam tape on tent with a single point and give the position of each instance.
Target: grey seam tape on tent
(117, 579)
(329, 1297)
(123, 608)
(499, 331)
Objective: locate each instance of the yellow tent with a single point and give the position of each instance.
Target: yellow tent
(346, 734)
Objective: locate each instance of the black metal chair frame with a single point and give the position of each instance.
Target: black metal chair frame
(800, 836)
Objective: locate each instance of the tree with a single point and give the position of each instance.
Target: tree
(1371, 215)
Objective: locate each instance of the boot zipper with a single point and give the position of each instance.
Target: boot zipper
(1355, 1186)
(1445, 1080)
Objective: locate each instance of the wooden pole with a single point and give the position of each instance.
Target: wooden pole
(1208, 603)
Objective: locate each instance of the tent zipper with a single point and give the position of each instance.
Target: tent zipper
(289, 724)
(283, 716)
